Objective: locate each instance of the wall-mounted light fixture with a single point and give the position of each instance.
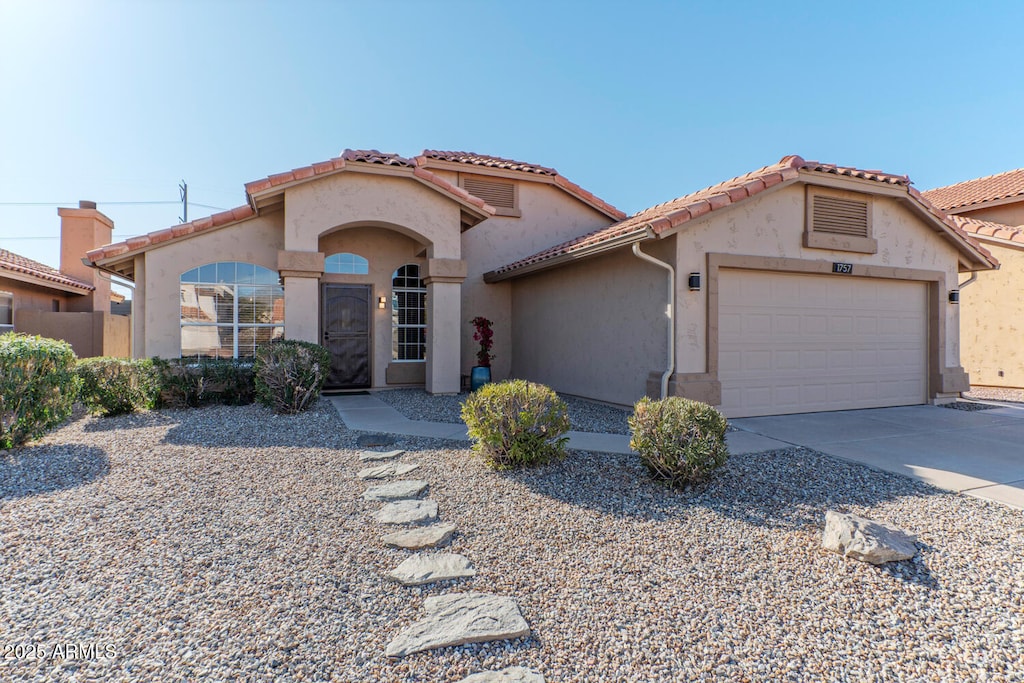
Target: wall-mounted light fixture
(382, 302)
(954, 296)
(694, 282)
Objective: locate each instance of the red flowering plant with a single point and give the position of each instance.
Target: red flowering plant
(484, 335)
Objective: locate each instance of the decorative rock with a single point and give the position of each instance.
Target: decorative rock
(396, 490)
(513, 674)
(459, 618)
(430, 567)
(865, 540)
(407, 512)
(433, 536)
(370, 456)
(391, 469)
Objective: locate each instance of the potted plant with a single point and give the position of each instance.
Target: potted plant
(481, 373)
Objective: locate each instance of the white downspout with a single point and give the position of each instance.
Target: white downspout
(671, 314)
(972, 278)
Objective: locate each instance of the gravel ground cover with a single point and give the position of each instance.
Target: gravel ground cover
(232, 544)
(584, 415)
(968, 406)
(996, 394)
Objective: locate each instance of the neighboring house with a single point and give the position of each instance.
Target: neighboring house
(799, 287)
(72, 303)
(991, 209)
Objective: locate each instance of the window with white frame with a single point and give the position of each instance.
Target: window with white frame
(6, 312)
(408, 315)
(228, 309)
(346, 264)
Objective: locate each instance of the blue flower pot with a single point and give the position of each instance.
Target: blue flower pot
(478, 377)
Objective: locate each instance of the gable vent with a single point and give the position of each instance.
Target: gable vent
(498, 193)
(840, 216)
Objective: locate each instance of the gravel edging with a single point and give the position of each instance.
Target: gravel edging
(230, 543)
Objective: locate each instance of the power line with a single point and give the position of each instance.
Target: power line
(75, 202)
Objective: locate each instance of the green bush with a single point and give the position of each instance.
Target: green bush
(38, 386)
(114, 386)
(680, 441)
(290, 374)
(189, 383)
(516, 424)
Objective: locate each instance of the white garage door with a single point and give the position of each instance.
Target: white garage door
(809, 343)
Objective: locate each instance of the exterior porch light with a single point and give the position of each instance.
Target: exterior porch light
(694, 282)
(382, 302)
(954, 296)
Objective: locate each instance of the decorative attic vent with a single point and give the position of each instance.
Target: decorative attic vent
(840, 216)
(501, 194)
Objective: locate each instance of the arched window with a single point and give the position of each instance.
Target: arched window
(346, 263)
(228, 309)
(408, 315)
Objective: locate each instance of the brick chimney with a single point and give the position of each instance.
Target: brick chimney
(83, 229)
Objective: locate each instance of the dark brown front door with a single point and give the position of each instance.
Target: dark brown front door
(346, 327)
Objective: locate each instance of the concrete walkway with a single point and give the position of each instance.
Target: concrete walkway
(977, 453)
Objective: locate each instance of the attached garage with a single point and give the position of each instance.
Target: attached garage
(793, 343)
(799, 287)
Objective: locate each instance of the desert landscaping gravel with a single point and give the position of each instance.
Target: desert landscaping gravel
(996, 394)
(231, 544)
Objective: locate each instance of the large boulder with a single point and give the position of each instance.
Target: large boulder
(865, 540)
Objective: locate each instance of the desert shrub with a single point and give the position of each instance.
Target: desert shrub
(38, 386)
(290, 374)
(516, 424)
(189, 383)
(114, 386)
(679, 441)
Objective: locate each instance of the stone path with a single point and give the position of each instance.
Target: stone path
(454, 618)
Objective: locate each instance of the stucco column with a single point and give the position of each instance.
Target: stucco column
(139, 309)
(444, 324)
(300, 272)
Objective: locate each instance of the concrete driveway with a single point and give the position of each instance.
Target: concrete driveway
(977, 453)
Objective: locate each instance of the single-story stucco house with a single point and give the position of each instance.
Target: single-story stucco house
(991, 209)
(798, 287)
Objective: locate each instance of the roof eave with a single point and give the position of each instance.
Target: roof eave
(28, 278)
(639, 235)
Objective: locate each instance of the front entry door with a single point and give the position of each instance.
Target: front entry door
(346, 328)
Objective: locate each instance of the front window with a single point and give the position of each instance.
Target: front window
(408, 315)
(228, 309)
(6, 312)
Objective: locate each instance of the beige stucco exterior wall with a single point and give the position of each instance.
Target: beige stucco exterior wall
(90, 333)
(252, 241)
(386, 250)
(992, 321)
(772, 225)
(549, 216)
(596, 328)
(30, 297)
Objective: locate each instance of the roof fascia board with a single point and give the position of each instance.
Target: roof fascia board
(997, 241)
(963, 245)
(174, 240)
(643, 233)
(852, 184)
(42, 282)
(474, 169)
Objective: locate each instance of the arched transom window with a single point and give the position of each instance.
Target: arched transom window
(228, 309)
(408, 315)
(347, 264)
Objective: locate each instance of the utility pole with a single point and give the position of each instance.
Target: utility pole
(183, 191)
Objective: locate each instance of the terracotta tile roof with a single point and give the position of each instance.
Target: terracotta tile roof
(668, 215)
(489, 161)
(19, 264)
(511, 165)
(974, 226)
(199, 225)
(978, 191)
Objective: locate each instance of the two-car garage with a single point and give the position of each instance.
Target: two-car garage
(796, 343)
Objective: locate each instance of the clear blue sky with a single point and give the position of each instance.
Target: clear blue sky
(638, 102)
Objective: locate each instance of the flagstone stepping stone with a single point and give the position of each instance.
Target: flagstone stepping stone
(459, 618)
(430, 567)
(433, 536)
(407, 512)
(391, 469)
(396, 490)
(370, 456)
(513, 674)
